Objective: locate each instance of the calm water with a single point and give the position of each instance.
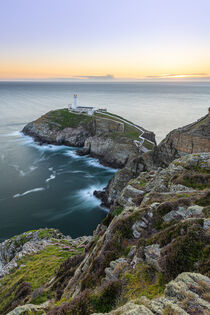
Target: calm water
(49, 186)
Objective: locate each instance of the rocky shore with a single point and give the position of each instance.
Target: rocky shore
(150, 255)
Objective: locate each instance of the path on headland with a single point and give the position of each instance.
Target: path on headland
(133, 125)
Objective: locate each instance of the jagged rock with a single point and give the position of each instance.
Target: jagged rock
(132, 251)
(129, 309)
(152, 255)
(187, 294)
(130, 195)
(195, 210)
(206, 224)
(30, 309)
(183, 213)
(112, 272)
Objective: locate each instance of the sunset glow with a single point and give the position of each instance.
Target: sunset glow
(71, 39)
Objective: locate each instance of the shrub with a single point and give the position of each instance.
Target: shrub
(106, 298)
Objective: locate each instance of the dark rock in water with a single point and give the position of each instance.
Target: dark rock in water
(101, 194)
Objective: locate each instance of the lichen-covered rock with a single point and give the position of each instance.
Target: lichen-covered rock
(24, 244)
(30, 309)
(129, 308)
(187, 294)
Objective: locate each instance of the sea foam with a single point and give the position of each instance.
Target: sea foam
(28, 192)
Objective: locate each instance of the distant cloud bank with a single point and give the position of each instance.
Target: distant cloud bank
(95, 77)
(179, 75)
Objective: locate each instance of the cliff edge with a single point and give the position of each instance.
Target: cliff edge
(193, 138)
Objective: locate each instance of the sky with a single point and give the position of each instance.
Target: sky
(104, 39)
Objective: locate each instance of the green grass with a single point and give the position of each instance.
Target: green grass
(142, 281)
(141, 184)
(46, 233)
(117, 210)
(148, 145)
(196, 182)
(130, 131)
(62, 118)
(116, 117)
(37, 270)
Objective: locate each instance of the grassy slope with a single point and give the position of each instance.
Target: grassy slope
(130, 131)
(35, 270)
(62, 118)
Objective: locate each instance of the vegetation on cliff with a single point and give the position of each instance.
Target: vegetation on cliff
(150, 255)
(157, 229)
(62, 118)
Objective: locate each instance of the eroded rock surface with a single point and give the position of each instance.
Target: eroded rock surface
(193, 138)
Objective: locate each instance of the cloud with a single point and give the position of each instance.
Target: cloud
(95, 77)
(179, 75)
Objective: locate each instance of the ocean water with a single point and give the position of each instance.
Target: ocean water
(51, 186)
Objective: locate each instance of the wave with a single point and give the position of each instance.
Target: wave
(52, 176)
(73, 154)
(68, 151)
(83, 196)
(28, 140)
(95, 163)
(87, 195)
(28, 192)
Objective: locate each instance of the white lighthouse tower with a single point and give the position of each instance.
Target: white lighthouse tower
(75, 102)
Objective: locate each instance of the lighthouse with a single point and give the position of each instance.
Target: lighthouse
(75, 102)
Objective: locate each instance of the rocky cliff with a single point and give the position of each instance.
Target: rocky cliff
(193, 138)
(150, 255)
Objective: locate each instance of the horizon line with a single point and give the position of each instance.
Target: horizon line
(111, 78)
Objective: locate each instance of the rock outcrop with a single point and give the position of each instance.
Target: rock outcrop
(187, 294)
(193, 138)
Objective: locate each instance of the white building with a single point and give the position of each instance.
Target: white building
(81, 109)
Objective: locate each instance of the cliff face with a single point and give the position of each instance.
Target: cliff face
(150, 255)
(193, 138)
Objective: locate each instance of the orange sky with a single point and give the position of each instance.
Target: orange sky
(127, 39)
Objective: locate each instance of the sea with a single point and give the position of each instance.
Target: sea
(51, 186)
